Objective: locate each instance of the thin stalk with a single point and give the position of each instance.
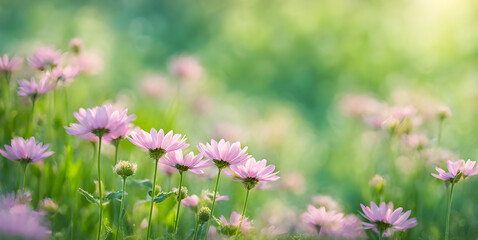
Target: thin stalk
(196, 227)
(24, 166)
(99, 186)
(121, 209)
(213, 201)
(380, 235)
(243, 213)
(448, 212)
(179, 201)
(33, 117)
(152, 198)
(317, 228)
(116, 151)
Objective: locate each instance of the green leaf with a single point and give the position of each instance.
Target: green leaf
(162, 196)
(90, 197)
(145, 183)
(113, 195)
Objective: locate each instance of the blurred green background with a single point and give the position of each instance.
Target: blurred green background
(274, 72)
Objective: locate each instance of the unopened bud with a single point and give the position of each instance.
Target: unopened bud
(204, 214)
(125, 169)
(378, 183)
(184, 193)
(76, 45)
(48, 205)
(443, 112)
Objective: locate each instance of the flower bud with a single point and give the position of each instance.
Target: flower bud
(443, 112)
(184, 193)
(48, 205)
(378, 183)
(125, 169)
(204, 214)
(76, 45)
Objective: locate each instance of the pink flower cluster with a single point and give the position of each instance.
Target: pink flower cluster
(26, 150)
(331, 223)
(457, 171)
(385, 219)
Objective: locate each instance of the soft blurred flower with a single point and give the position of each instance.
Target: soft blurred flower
(224, 154)
(26, 151)
(157, 143)
(416, 141)
(44, 58)
(206, 196)
(327, 202)
(48, 205)
(351, 227)
(17, 220)
(293, 181)
(457, 171)
(125, 169)
(76, 45)
(34, 89)
(188, 162)
(89, 63)
(327, 222)
(7, 66)
(64, 76)
(378, 183)
(253, 172)
(186, 67)
(166, 169)
(443, 112)
(357, 105)
(191, 201)
(230, 228)
(385, 219)
(155, 85)
(100, 121)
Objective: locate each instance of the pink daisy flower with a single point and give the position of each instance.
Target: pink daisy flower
(323, 221)
(186, 67)
(457, 171)
(253, 172)
(230, 228)
(188, 162)
(224, 154)
(191, 201)
(157, 143)
(101, 121)
(26, 151)
(206, 195)
(7, 66)
(385, 220)
(17, 220)
(35, 89)
(64, 76)
(44, 58)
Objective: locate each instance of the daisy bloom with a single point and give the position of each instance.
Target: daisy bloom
(17, 220)
(323, 221)
(223, 153)
(191, 201)
(157, 143)
(101, 121)
(7, 66)
(229, 228)
(457, 171)
(44, 58)
(186, 67)
(64, 76)
(34, 89)
(253, 172)
(385, 220)
(26, 151)
(188, 162)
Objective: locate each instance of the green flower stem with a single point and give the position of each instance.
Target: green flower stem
(99, 186)
(152, 198)
(318, 228)
(440, 125)
(243, 213)
(179, 201)
(32, 130)
(448, 212)
(24, 168)
(116, 151)
(213, 201)
(196, 227)
(121, 209)
(380, 235)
